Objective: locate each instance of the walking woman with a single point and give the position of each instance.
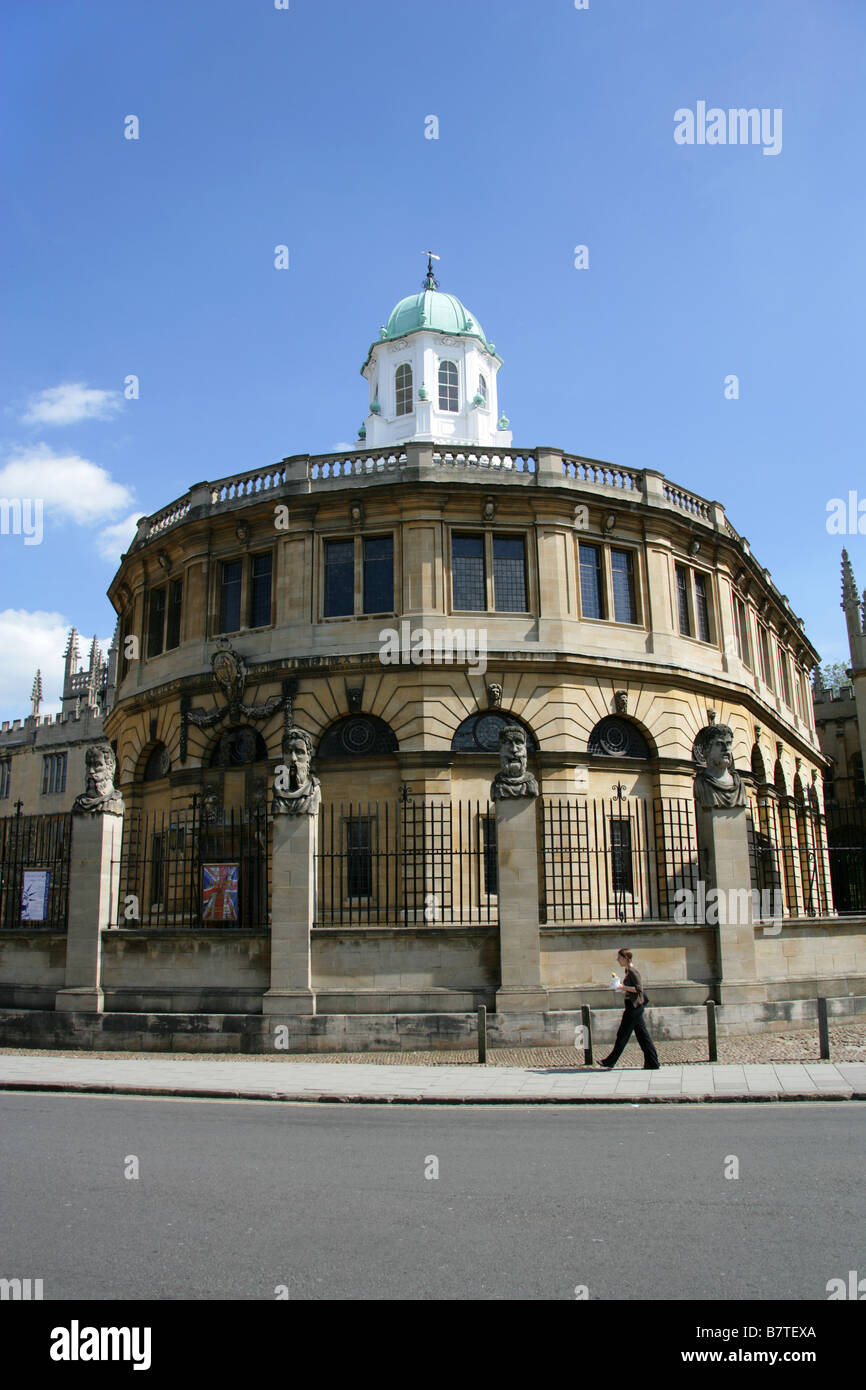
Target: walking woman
(632, 1017)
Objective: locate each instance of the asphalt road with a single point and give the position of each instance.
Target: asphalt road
(235, 1199)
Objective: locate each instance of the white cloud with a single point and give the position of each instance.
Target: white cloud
(69, 403)
(113, 540)
(31, 640)
(70, 486)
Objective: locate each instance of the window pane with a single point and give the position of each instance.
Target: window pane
(482, 388)
(743, 633)
(339, 578)
(622, 575)
(359, 857)
(447, 386)
(509, 574)
(683, 601)
(785, 678)
(230, 596)
(5, 778)
(175, 600)
(156, 622)
(260, 584)
(702, 607)
(766, 665)
(379, 574)
(403, 385)
(620, 855)
(591, 589)
(467, 572)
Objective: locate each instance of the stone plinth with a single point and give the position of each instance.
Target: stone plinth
(94, 883)
(519, 937)
(724, 862)
(293, 901)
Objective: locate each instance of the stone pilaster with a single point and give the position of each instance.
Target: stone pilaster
(520, 943)
(293, 901)
(94, 884)
(724, 862)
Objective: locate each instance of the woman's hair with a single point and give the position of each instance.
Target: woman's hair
(626, 953)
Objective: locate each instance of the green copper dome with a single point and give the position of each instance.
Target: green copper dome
(436, 312)
(431, 309)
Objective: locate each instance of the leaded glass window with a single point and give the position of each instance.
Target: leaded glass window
(467, 572)
(509, 574)
(622, 576)
(339, 578)
(591, 582)
(378, 574)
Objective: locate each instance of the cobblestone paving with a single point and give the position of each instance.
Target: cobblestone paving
(847, 1044)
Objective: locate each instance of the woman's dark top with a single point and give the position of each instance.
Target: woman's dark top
(631, 977)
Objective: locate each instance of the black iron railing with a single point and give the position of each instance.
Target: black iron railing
(407, 864)
(845, 827)
(34, 870)
(185, 868)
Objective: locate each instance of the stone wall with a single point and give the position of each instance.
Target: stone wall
(32, 967)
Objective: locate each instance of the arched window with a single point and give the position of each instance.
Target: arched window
(448, 387)
(357, 736)
(158, 764)
(479, 733)
(403, 384)
(617, 738)
(482, 388)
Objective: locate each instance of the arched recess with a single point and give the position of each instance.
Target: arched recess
(238, 747)
(617, 737)
(479, 733)
(759, 771)
(779, 779)
(157, 764)
(357, 736)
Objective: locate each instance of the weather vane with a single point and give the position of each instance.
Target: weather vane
(431, 283)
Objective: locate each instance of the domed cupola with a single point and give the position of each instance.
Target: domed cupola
(432, 375)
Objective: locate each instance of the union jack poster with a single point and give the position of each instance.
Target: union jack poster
(220, 892)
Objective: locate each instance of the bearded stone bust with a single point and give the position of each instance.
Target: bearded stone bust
(717, 782)
(296, 791)
(513, 778)
(100, 796)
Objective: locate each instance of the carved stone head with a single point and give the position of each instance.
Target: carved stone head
(100, 793)
(494, 694)
(297, 749)
(512, 751)
(620, 700)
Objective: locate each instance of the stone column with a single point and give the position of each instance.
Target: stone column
(724, 861)
(519, 937)
(94, 884)
(293, 890)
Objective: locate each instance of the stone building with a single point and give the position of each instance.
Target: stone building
(840, 713)
(42, 758)
(389, 612)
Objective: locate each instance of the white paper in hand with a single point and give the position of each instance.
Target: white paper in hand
(614, 982)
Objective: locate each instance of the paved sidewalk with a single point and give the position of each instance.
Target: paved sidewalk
(442, 1085)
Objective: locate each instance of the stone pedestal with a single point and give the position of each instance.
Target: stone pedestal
(519, 939)
(724, 863)
(94, 884)
(293, 902)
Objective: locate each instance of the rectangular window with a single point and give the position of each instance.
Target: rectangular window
(490, 852)
(766, 660)
(702, 607)
(509, 574)
(467, 572)
(53, 773)
(339, 579)
(622, 880)
(591, 582)
(784, 677)
(742, 622)
(230, 596)
(683, 601)
(378, 574)
(5, 778)
(175, 601)
(261, 571)
(156, 622)
(359, 856)
(622, 576)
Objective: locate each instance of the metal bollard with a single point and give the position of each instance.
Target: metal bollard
(823, 1031)
(712, 1040)
(586, 1015)
(482, 1034)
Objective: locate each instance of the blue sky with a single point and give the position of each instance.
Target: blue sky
(305, 127)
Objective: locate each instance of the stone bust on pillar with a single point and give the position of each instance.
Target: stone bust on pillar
(514, 778)
(718, 785)
(296, 791)
(100, 796)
